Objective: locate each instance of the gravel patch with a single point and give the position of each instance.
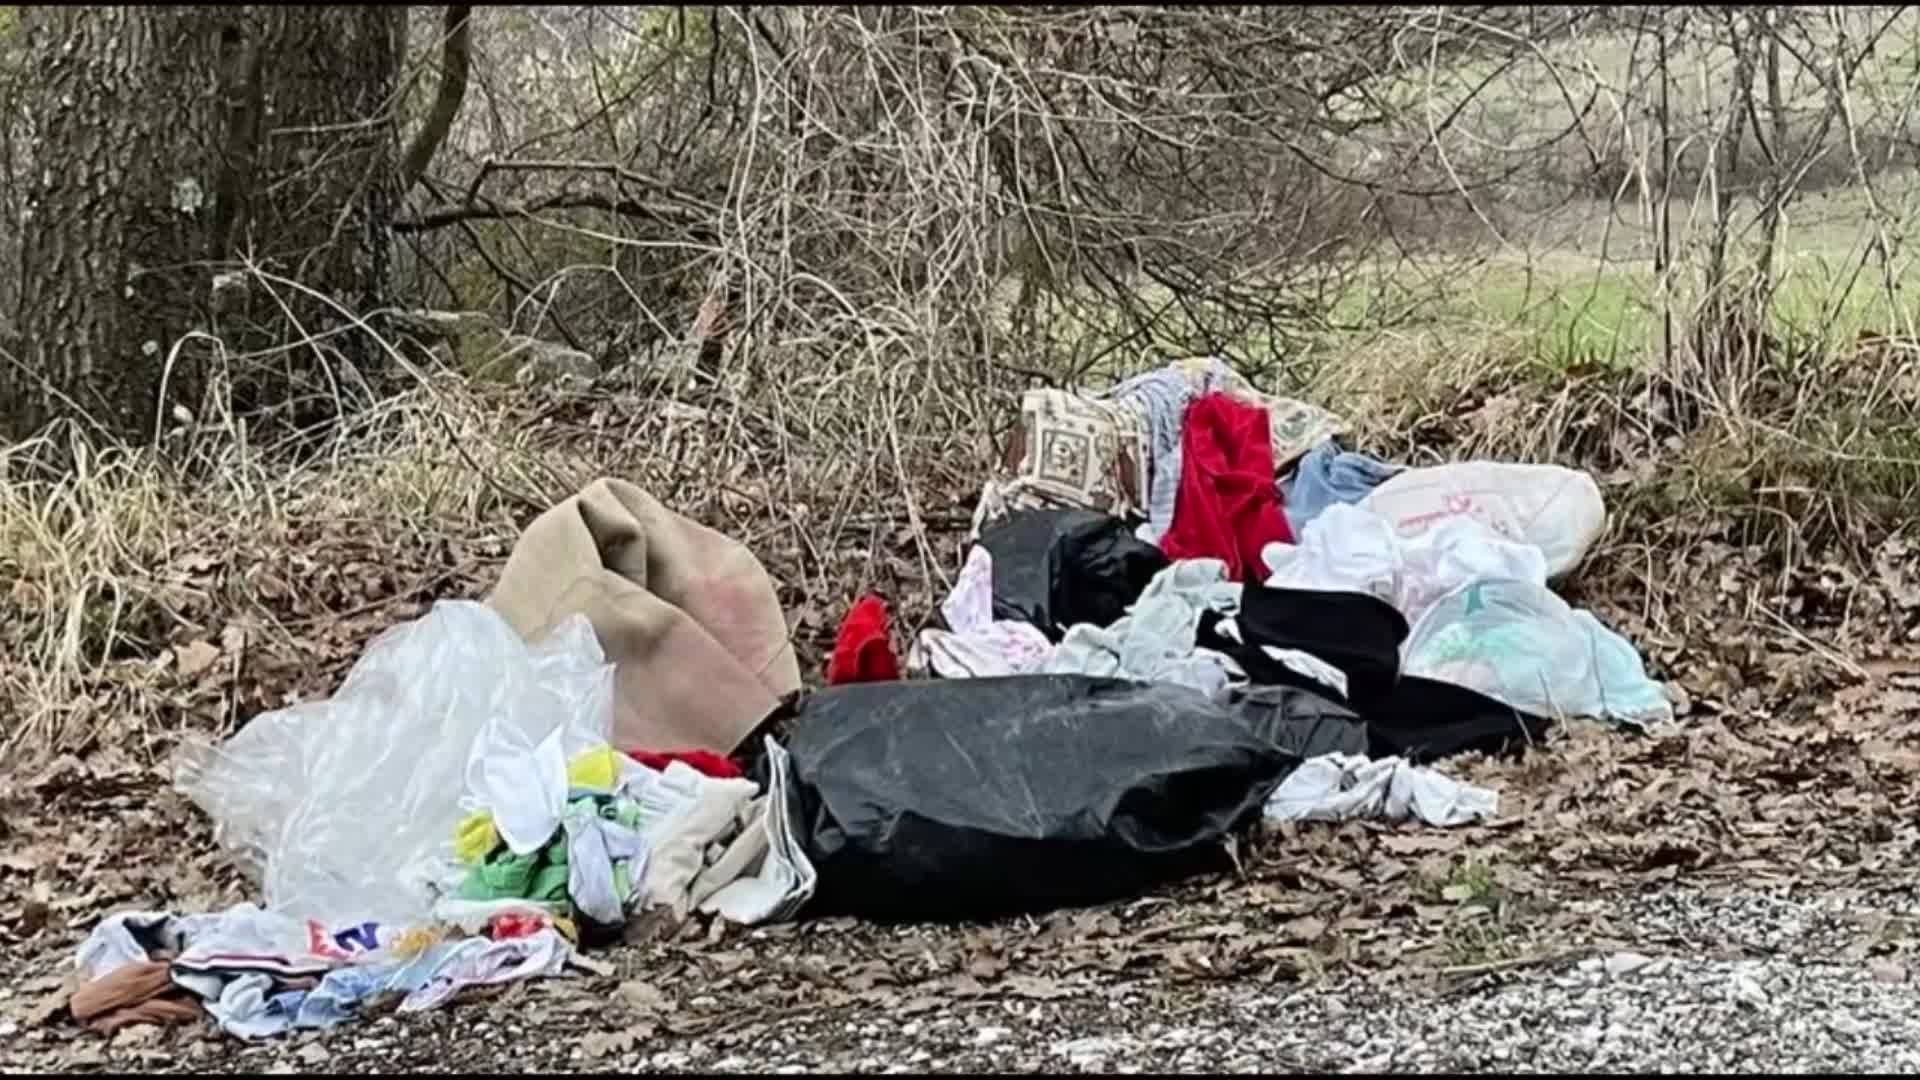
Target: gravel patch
(1778, 980)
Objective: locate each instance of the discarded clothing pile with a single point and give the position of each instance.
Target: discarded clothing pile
(1417, 596)
(258, 973)
(1185, 608)
(1184, 533)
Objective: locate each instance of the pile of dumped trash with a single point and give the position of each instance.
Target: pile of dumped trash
(1183, 608)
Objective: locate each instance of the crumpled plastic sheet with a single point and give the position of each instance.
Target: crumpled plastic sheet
(344, 809)
(1521, 645)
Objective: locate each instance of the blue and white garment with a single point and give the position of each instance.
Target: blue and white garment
(1162, 397)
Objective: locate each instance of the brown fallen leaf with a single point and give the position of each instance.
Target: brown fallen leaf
(866, 976)
(33, 917)
(916, 1006)
(603, 1044)
(1415, 843)
(19, 862)
(53, 1004)
(1306, 929)
(986, 967)
(590, 965)
(644, 998)
(1888, 971)
(135, 1035)
(1035, 988)
(194, 657)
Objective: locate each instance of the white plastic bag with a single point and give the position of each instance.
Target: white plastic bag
(344, 809)
(1518, 643)
(1555, 509)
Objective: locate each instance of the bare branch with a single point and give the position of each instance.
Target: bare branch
(456, 57)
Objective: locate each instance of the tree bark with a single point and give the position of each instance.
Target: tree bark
(166, 145)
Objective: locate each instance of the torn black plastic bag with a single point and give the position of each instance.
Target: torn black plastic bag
(1059, 568)
(971, 798)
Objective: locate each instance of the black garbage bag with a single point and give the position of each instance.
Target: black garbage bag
(971, 798)
(1058, 568)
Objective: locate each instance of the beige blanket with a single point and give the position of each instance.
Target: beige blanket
(687, 616)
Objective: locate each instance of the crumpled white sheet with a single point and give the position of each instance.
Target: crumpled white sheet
(523, 786)
(1351, 548)
(1341, 787)
(594, 844)
(977, 645)
(1345, 548)
(685, 811)
(1154, 641)
(776, 878)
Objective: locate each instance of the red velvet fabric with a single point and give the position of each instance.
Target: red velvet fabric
(861, 651)
(1228, 506)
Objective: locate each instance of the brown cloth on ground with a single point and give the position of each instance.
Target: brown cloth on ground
(137, 993)
(688, 617)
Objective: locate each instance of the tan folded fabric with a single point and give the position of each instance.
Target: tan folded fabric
(137, 993)
(688, 616)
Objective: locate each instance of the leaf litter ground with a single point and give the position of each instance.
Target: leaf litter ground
(1794, 767)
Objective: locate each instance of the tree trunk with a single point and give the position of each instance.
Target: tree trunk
(166, 144)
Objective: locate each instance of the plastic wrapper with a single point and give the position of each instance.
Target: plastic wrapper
(1519, 644)
(969, 798)
(1057, 569)
(344, 809)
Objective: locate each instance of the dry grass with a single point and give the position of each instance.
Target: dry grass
(123, 567)
(119, 558)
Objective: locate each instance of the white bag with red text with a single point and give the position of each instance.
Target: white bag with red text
(1555, 509)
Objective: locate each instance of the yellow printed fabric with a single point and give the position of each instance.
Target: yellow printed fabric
(475, 837)
(596, 770)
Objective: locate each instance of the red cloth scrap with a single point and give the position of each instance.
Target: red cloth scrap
(861, 651)
(1228, 506)
(705, 762)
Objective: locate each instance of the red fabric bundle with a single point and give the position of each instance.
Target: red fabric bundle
(861, 651)
(1228, 506)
